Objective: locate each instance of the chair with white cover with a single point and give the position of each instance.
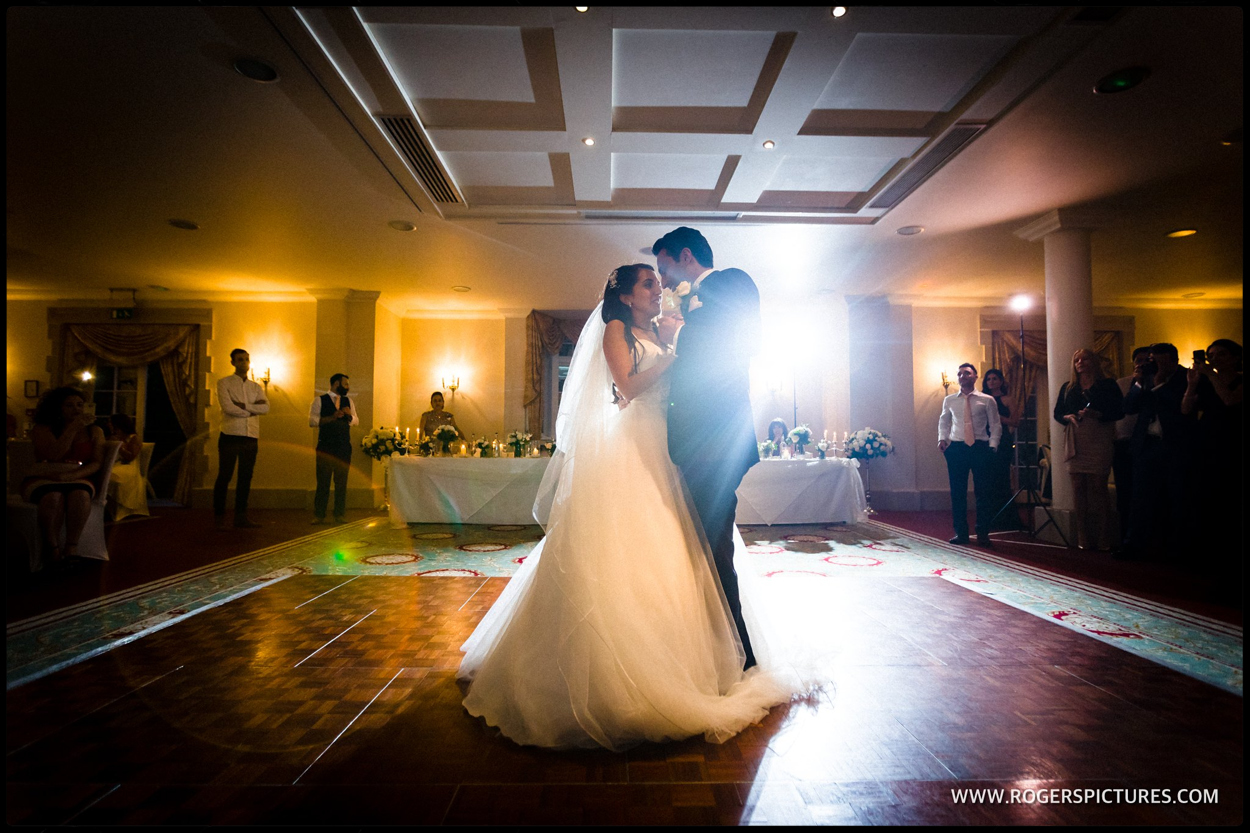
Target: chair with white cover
(22, 517)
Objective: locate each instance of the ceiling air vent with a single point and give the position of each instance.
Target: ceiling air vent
(407, 137)
(937, 156)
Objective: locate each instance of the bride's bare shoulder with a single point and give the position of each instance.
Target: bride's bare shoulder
(614, 329)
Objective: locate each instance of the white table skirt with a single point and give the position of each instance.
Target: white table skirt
(802, 492)
(464, 490)
(502, 490)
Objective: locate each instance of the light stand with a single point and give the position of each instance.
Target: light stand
(1024, 472)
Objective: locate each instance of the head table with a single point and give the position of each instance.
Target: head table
(496, 490)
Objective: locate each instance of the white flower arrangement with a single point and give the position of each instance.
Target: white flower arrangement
(801, 436)
(381, 443)
(519, 440)
(445, 434)
(867, 443)
(767, 448)
(825, 446)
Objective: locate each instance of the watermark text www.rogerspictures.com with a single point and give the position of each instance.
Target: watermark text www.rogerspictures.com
(1108, 795)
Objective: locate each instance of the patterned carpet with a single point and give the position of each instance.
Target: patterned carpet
(810, 554)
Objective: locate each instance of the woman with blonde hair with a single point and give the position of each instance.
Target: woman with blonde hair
(1088, 407)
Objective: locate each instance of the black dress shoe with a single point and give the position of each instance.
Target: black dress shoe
(319, 522)
(984, 541)
(960, 539)
(246, 524)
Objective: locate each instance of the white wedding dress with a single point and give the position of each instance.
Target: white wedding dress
(614, 630)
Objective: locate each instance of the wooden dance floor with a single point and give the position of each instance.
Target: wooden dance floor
(329, 700)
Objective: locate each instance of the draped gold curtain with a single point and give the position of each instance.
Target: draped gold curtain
(1005, 355)
(174, 347)
(544, 335)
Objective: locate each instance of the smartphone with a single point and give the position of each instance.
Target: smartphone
(1200, 356)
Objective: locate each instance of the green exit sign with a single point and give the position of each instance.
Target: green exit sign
(123, 312)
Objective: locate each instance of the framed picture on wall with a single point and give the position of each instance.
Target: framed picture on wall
(32, 388)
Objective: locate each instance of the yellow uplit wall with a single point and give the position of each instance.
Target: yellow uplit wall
(434, 350)
(26, 354)
(943, 338)
(1188, 329)
(279, 336)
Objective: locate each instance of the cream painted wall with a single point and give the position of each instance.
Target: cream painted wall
(1188, 329)
(433, 350)
(277, 335)
(27, 348)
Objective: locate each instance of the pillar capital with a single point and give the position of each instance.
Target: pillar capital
(1064, 219)
(328, 294)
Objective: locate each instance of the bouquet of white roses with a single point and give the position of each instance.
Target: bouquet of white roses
(824, 446)
(801, 436)
(383, 442)
(444, 435)
(767, 448)
(519, 440)
(548, 447)
(867, 443)
(483, 447)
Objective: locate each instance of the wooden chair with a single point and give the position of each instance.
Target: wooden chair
(23, 517)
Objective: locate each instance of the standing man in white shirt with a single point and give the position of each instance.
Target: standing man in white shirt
(333, 414)
(968, 433)
(242, 403)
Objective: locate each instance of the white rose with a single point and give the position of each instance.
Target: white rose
(683, 289)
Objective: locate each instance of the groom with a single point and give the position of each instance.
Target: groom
(711, 433)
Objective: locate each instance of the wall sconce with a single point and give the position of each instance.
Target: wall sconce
(86, 376)
(263, 379)
(455, 383)
(946, 383)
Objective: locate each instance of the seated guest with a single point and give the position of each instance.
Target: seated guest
(69, 449)
(436, 416)
(128, 488)
(778, 435)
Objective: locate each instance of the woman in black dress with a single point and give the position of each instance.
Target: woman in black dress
(995, 385)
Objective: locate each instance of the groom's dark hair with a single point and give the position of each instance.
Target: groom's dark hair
(685, 238)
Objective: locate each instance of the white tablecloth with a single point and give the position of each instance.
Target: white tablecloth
(468, 490)
(802, 492)
(502, 490)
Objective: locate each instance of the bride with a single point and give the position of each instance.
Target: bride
(615, 630)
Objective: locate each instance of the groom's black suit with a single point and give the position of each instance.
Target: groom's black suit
(711, 433)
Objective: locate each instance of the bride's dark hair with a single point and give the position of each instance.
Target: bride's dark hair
(622, 282)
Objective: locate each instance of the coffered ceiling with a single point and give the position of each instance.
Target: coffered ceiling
(798, 141)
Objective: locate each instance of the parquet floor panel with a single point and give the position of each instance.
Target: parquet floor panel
(327, 700)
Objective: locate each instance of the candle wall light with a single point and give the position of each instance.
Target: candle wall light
(263, 379)
(946, 382)
(454, 384)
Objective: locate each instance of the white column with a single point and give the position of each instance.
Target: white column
(1065, 236)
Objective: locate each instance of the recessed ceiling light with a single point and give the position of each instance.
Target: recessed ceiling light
(184, 224)
(589, 141)
(838, 11)
(1122, 80)
(461, 288)
(907, 231)
(770, 144)
(1183, 232)
(256, 70)
(402, 225)
(582, 8)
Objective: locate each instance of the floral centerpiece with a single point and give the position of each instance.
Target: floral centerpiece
(825, 446)
(547, 447)
(484, 448)
(425, 448)
(519, 440)
(867, 443)
(800, 436)
(381, 443)
(444, 436)
(767, 448)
